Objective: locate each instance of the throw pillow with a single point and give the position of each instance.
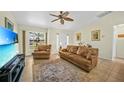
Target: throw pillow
(68, 48)
(89, 55)
(42, 47)
(74, 49)
(81, 50)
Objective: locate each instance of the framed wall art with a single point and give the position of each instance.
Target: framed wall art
(78, 36)
(95, 35)
(120, 35)
(9, 24)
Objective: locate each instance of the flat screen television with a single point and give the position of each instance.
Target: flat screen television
(8, 48)
(7, 36)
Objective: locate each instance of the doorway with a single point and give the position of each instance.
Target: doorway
(118, 42)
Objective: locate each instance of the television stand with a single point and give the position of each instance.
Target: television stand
(11, 72)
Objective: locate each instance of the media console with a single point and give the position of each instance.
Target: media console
(11, 72)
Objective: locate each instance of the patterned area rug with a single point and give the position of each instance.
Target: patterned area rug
(55, 72)
(59, 70)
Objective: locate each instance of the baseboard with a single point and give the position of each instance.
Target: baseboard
(119, 58)
(105, 59)
(28, 55)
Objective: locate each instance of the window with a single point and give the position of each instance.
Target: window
(67, 38)
(57, 42)
(36, 37)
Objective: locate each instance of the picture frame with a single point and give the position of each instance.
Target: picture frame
(120, 35)
(78, 36)
(95, 35)
(9, 24)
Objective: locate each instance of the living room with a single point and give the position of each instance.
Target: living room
(79, 32)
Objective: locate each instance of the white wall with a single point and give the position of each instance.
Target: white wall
(105, 24)
(119, 41)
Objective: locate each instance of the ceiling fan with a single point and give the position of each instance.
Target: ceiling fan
(63, 16)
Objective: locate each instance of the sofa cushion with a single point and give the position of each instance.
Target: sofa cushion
(41, 52)
(81, 60)
(94, 51)
(64, 50)
(71, 56)
(65, 53)
(74, 49)
(69, 47)
(89, 55)
(82, 51)
(43, 47)
(44, 52)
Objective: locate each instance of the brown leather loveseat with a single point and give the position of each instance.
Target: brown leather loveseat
(82, 56)
(42, 52)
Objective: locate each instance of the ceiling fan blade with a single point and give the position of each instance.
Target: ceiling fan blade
(68, 19)
(65, 13)
(54, 15)
(62, 21)
(55, 20)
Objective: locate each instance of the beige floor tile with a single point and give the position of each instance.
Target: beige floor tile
(109, 71)
(117, 76)
(112, 79)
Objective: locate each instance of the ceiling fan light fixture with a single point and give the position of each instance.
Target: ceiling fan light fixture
(63, 16)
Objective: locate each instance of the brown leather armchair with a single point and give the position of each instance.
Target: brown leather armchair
(42, 52)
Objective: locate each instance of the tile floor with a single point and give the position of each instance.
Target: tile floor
(106, 70)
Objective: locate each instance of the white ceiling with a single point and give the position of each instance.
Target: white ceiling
(43, 19)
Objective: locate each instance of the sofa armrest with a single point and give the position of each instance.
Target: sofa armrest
(94, 60)
(64, 50)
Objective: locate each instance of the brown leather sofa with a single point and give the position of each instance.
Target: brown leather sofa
(42, 52)
(82, 56)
